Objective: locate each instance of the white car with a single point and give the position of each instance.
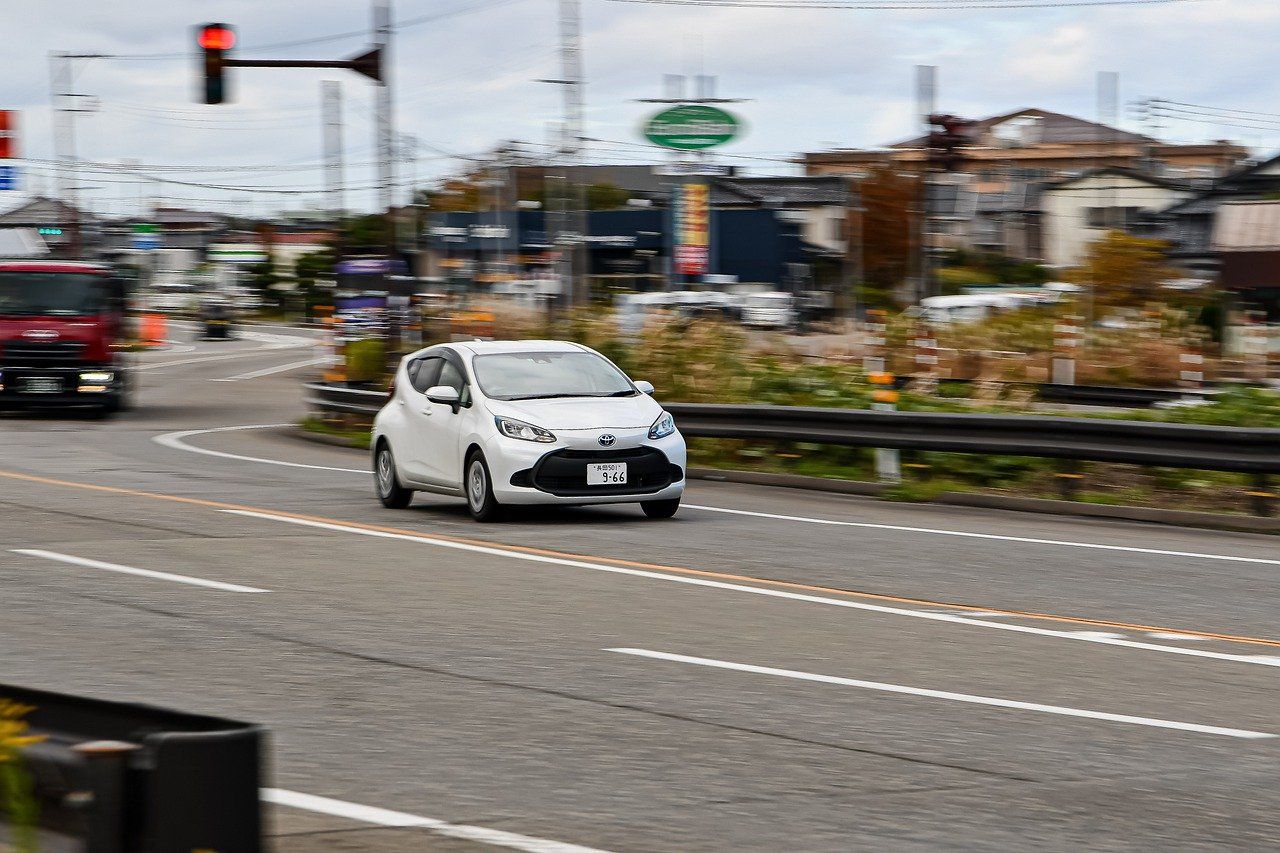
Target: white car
(525, 422)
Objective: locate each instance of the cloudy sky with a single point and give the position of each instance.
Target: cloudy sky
(466, 77)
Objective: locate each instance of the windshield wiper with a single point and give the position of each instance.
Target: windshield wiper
(547, 396)
(630, 392)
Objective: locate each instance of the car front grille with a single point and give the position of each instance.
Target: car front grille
(43, 354)
(564, 472)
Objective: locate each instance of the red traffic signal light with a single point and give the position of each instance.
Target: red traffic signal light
(215, 40)
(217, 37)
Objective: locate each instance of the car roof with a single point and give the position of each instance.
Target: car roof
(488, 347)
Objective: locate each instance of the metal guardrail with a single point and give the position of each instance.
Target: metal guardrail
(348, 401)
(119, 777)
(1213, 448)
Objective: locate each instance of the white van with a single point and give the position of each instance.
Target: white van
(772, 310)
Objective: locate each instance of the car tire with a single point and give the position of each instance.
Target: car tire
(478, 485)
(386, 483)
(660, 509)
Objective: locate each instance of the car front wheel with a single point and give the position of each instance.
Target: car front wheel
(480, 500)
(660, 509)
(390, 492)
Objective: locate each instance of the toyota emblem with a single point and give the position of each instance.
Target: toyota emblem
(607, 440)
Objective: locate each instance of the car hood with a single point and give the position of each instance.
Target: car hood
(586, 413)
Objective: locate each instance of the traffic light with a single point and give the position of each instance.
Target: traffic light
(944, 144)
(215, 40)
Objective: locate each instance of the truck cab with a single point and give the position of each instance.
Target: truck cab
(63, 335)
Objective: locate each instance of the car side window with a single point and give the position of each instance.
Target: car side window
(428, 369)
(450, 375)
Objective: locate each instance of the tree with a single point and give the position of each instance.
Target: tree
(310, 268)
(889, 198)
(1122, 270)
(606, 197)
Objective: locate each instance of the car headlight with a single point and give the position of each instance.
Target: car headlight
(663, 426)
(97, 377)
(523, 431)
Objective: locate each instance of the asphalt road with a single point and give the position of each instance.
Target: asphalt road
(771, 670)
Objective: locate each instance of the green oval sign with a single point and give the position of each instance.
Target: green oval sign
(692, 127)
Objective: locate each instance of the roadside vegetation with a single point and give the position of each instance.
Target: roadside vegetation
(708, 361)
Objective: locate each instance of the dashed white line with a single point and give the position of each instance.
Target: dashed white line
(1158, 552)
(130, 570)
(947, 695)
(386, 817)
(1080, 636)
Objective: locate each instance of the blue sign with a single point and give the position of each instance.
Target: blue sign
(8, 177)
(146, 241)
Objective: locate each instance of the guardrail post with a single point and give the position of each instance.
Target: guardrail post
(1262, 497)
(1069, 477)
(106, 762)
(873, 359)
(1066, 343)
(885, 399)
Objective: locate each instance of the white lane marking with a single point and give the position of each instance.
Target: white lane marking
(259, 352)
(993, 536)
(130, 570)
(170, 440)
(1081, 636)
(175, 441)
(267, 371)
(385, 817)
(945, 694)
(1103, 635)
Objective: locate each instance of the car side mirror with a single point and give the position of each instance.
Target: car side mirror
(446, 395)
(645, 387)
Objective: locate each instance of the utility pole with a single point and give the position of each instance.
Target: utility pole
(384, 123)
(926, 105)
(331, 117)
(65, 104)
(567, 218)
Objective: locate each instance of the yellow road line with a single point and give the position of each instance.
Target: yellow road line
(678, 570)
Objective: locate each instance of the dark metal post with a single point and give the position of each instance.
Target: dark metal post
(1262, 497)
(106, 762)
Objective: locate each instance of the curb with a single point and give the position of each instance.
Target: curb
(323, 438)
(1150, 515)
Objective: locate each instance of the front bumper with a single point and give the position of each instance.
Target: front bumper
(60, 387)
(556, 474)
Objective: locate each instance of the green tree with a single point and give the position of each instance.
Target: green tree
(1123, 270)
(310, 268)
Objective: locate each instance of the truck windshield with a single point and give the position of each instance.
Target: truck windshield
(50, 294)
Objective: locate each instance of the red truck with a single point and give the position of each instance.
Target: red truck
(63, 331)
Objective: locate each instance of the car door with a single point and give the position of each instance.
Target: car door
(433, 427)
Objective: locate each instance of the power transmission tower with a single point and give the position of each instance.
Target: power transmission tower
(66, 103)
(331, 112)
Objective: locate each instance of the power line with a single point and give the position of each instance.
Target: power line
(464, 9)
(907, 5)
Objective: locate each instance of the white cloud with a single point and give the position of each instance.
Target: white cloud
(466, 82)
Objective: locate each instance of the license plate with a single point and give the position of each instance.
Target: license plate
(607, 474)
(41, 385)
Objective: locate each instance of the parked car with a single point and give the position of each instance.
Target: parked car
(503, 423)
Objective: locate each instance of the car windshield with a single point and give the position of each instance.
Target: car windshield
(544, 375)
(50, 294)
